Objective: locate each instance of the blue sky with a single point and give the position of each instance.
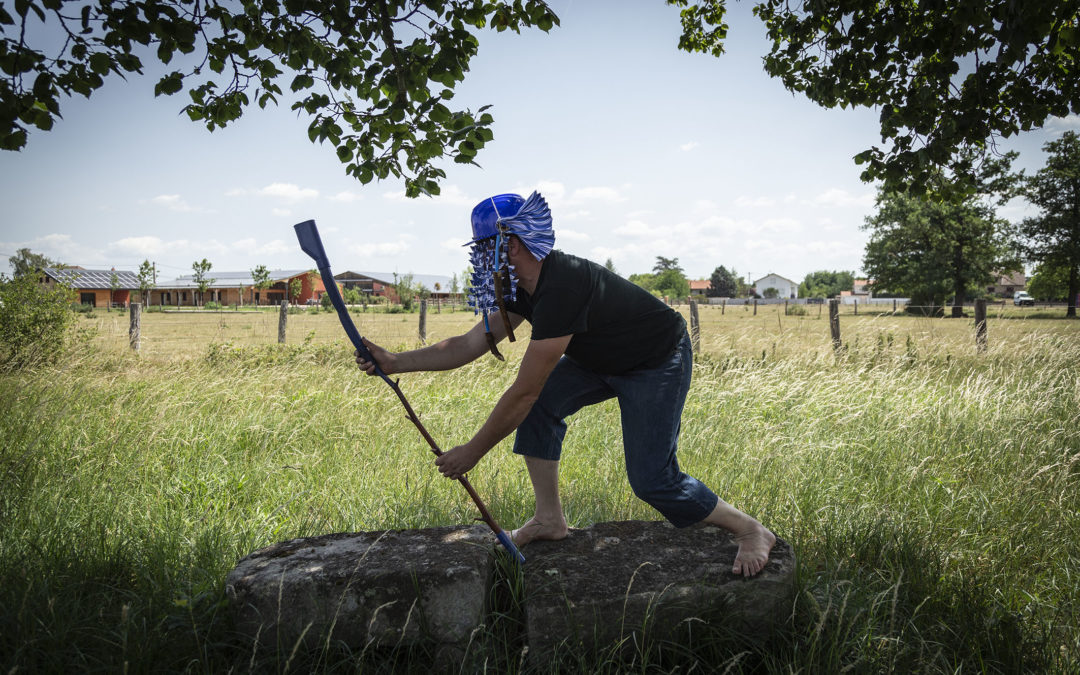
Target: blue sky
(640, 149)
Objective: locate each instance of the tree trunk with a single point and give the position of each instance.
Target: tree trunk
(1074, 288)
(959, 284)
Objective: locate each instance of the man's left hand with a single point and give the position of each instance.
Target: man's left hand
(455, 462)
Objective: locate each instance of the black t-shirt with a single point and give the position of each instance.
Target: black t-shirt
(617, 326)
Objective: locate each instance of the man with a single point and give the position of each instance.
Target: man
(594, 336)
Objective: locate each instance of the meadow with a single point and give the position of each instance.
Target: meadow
(930, 491)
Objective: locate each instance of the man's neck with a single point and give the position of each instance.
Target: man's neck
(528, 273)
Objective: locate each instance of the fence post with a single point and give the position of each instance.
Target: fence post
(423, 322)
(282, 319)
(755, 306)
(834, 323)
(136, 325)
(695, 327)
(856, 303)
(894, 305)
(980, 325)
(723, 306)
(785, 308)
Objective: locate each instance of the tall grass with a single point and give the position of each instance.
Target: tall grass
(930, 492)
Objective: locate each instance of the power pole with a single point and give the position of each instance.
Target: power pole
(154, 267)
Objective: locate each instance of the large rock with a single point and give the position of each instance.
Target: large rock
(402, 587)
(603, 584)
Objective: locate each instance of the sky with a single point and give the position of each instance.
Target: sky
(640, 149)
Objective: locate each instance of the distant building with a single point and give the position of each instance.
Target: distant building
(1006, 284)
(237, 288)
(785, 288)
(699, 288)
(94, 287)
(382, 284)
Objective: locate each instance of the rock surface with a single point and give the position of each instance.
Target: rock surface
(400, 587)
(433, 588)
(612, 580)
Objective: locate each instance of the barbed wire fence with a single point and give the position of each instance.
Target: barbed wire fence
(154, 331)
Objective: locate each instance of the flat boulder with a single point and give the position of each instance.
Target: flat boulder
(613, 581)
(392, 588)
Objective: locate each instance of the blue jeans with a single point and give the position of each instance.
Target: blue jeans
(650, 402)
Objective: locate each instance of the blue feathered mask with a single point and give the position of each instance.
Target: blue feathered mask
(493, 221)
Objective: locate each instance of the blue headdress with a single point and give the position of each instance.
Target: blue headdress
(493, 221)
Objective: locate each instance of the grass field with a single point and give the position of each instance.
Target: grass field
(930, 491)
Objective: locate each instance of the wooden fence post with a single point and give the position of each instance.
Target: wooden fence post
(723, 306)
(423, 322)
(755, 306)
(135, 327)
(894, 305)
(695, 327)
(856, 302)
(785, 308)
(282, 319)
(980, 325)
(834, 323)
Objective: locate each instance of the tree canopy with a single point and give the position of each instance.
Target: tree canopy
(936, 248)
(260, 279)
(826, 284)
(722, 283)
(26, 262)
(946, 76)
(1049, 283)
(200, 277)
(374, 77)
(1053, 237)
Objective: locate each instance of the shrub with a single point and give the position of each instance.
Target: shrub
(212, 305)
(35, 321)
(325, 301)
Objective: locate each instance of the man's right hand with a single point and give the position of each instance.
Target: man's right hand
(385, 359)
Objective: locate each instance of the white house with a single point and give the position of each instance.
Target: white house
(785, 288)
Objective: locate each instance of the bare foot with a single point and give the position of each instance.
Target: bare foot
(754, 546)
(552, 530)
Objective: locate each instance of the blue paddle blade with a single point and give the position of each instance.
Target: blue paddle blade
(310, 242)
(508, 544)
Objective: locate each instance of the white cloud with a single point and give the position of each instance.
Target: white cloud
(452, 195)
(144, 246)
(838, 198)
(754, 202)
(552, 190)
(383, 248)
(571, 235)
(455, 245)
(288, 191)
(275, 246)
(175, 203)
(1059, 125)
(281, 213)
(635, 228)
(59, 247)
(781, 225)
(687, 147)
(347, 197)
(596, 194)
(578, 214)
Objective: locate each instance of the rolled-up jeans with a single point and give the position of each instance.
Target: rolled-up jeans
(650, 403)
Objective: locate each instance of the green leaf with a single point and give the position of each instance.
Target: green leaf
(100, 63)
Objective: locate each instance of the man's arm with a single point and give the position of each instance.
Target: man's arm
(444, 355)
(515, 403)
